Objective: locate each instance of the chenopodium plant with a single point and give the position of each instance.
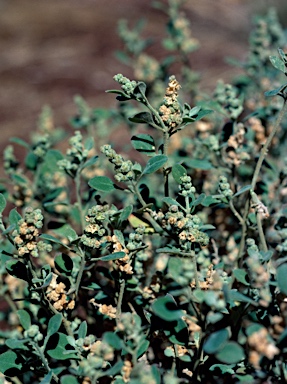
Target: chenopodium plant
(129, 280)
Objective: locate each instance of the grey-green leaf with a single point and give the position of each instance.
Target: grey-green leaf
(216, 341)
(177, 172)
(102, 183)
(155, 163)
(281, 278)
(2, 203)
(144, 143)
(277, 63)
(25, 319)
(54, 324)
(231, 353)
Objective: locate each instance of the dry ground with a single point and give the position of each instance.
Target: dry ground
(54, 49)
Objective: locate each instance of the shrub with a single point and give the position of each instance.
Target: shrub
(168, 266)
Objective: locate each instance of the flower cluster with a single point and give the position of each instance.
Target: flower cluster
(97, 218)
(258, 273)
(56, 293)
(267, 36)
(170, 110)
(33, 332)
(42, 145)
(185, 226)
(147, 68)
(180, 32)
(224, 187)
(25, 236)
(227, 97)
(123, 168)
(261, 345)
(185, 187)
(76, 155)
(10, 163)
(127, 85)
(235, 152)
(99, 355)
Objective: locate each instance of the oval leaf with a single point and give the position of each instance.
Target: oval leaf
(144, 144)
(165, 307)
(2, 203)
(281, 278)
(17, 269)
(155, 163)
(231, 353)
(177, 172)
(101, 183)
(216, 341)
(64, 264)
(25, 319)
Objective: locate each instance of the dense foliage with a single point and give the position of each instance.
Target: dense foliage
(162, 261)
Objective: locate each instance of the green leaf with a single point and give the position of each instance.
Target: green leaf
(31, 161)
(242, 190)
(177, 172)
(198, 201)
(61, 349)
(8, 364)
(216, 341)
(165, 307)
(25, 319)
(199, 164)
(66, 231)
(277, 63)
(113, 340)
(209, 200)
(140, 90)
(64, 264)
(69, 379)
(112, 256)
(126, 213)
(144, 143)
(17, 344)
(17, 269)
(2, 203)
(155, 163)
(19, 141)
(47, 379)
(14, 217)
(102, 183)
(281, 278)
(82, 331)
(224, 368)
(91, 161)
(276, 91)
(89, 143)
(142, 348)
(142, 118)
(231, 353)
(54, 324)
(240, 275)
(169, 201)
(53, 239)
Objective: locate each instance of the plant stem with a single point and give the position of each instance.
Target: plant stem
(264, 149)
(261, 233)
(234, 211)
(120, 300)
(262, 156)
(44, 361)
(193, 256)
(80, 273)
(78, 197)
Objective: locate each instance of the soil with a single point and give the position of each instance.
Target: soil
(52, 50)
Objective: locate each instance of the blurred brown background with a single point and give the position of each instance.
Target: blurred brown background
(54, 49)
